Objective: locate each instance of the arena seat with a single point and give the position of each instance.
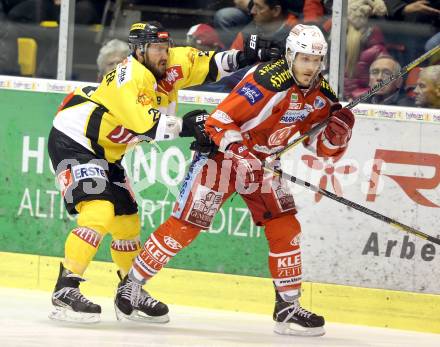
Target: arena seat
(27, 55)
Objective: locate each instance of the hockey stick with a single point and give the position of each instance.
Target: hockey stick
(354, 205)
(317, 128)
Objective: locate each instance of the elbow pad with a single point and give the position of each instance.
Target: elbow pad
(228, 60)
(168, 128)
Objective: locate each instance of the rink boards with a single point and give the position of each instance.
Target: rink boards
(343, 250)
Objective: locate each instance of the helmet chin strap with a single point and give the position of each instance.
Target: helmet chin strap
(144, 50)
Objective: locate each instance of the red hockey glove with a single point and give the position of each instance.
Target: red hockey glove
(338, 129)
(247, 166)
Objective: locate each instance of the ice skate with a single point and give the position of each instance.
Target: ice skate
(134, 303)
(69, 304)
(292, 319)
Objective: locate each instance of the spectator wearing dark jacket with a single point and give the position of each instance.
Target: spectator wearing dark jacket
(272, 21)
(381, 69)
(421, 20)
(318, 12)
(416, 11)
(228, 21)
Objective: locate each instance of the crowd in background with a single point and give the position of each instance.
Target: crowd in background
(382, 36)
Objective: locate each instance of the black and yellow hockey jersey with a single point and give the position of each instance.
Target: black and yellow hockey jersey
(186, 67)
(129, 102)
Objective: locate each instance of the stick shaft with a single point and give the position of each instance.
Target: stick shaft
(356, 206)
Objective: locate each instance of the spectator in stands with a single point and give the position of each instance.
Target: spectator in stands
(110, 55)
(271, 21)
(204, 37)
(318, 12)
(230, 20)
(382, 68)
(421, 17)
(364, 44)
(428, 87)
(420, 11)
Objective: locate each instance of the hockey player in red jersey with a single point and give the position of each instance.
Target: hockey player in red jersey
(272, 103)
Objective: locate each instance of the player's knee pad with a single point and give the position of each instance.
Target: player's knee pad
(125, 245)
(282, 232)
(126, 227)
(177, 233)
(80, 248)
(96, 214)
(162, 245)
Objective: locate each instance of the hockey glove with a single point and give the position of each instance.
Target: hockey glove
(338, 129)
(270, 50)
(191, 120)
(194, 126)
(249, 55)
(247, 166)
(256, 49)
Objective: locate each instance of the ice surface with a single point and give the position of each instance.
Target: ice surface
(24, 322)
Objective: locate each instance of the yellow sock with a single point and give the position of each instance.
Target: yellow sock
(94, 220)
(123, 253)
(125, 246)
(80, 248)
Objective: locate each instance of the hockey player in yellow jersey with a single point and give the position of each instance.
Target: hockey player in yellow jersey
(91, 132)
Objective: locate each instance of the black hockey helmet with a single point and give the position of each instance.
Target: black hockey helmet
(142, 33)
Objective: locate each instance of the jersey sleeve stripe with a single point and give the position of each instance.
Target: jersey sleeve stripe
(213, 71)
(93, 131)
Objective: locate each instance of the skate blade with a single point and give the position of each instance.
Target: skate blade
(67, 315)
(138, 316)
(297, 330)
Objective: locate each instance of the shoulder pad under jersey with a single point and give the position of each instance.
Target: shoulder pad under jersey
(86, 91)
(328, 91)
(274, 75)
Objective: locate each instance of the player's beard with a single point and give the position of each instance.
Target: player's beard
(158, 71)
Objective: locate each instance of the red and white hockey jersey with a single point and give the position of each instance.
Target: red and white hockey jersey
(267, 108)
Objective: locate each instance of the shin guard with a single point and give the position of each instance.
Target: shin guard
(170, 238)
(285, 255)
(80, 248)
(124, 252)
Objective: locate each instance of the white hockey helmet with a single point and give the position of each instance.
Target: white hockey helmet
(307, 39)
